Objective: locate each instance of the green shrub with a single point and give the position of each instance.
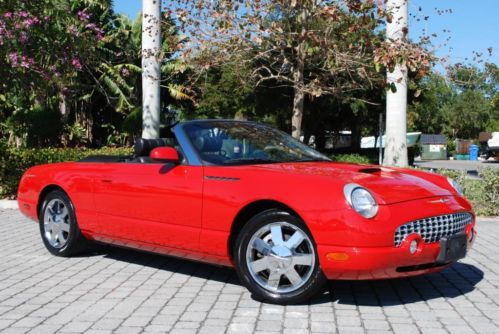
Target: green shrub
(14, 162)
(483, 193)
(351, 158)
(369, 156)
(457, 175)
(490, 191)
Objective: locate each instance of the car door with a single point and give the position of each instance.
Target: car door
(155, 203)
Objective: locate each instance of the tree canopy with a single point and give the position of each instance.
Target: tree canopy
(460, 105)
(72, 77)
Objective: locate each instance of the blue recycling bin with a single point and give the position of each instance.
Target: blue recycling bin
(473, 152)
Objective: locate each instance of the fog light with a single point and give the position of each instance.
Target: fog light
(413, 247)
(471, 235)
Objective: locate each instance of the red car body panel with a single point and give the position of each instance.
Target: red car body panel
(189, 211)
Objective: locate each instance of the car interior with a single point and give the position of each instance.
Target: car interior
(216, 147)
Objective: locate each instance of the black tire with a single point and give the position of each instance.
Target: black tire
(311, 285)
(75, 242)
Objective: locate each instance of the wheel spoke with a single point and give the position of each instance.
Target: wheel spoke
(49, 225)
(64, 227)
(273, 281)
(261, 246)
(260, 265)
(50, 235)
(64, 212)
(293, 276)
(295, 240)
(303, 259)
(61, 238)
(276, 233)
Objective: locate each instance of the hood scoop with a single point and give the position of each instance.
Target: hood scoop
(370, 170)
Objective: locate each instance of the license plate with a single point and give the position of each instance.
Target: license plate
(452, 248)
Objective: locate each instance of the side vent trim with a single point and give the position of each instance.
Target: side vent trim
(221, 178)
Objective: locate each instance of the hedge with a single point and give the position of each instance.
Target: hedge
(14, 162)
(483, 193)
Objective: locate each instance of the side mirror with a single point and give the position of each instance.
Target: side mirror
(166, 154)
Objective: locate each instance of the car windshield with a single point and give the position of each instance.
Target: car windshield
(238, 143)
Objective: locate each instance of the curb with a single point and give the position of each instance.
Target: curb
(487, 219)
(7, 204)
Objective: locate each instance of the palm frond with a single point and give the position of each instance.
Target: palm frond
(178, 92)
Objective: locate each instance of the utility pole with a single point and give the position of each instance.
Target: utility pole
(151, 70)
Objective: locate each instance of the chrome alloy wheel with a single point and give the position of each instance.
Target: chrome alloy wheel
(280, 257)
(56, 223)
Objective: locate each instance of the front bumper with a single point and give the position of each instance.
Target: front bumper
(351, 247)
(362, 263)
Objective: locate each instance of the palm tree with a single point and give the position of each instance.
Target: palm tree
(396, 99)
(151, 70)
(119, 75)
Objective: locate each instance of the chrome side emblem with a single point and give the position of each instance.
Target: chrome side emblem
(440, 200)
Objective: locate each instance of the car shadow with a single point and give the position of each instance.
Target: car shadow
(454, 281)
(457, 280)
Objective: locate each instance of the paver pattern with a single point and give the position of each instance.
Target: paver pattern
(124, 291)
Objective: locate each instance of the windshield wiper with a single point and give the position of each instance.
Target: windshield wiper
(249, 161)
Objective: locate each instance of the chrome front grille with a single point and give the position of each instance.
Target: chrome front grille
(433, 228)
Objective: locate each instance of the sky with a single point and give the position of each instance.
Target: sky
(473, 25)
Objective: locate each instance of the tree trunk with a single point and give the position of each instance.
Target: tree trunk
(151, 71)
(299, 94)
(396, 102)
(320, 137)
(356, 135)
(297, 117)
(63, 110)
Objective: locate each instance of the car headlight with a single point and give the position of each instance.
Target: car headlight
(456, 186)
(361, 200)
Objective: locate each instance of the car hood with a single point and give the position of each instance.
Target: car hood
(389, 185)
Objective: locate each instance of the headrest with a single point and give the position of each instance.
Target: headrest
(207, 144)
(143, 146)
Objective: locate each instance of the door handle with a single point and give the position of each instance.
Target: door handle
(106, 181)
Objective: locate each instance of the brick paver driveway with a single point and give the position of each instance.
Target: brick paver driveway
(116, 290)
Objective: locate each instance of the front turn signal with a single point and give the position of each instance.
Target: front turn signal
(338, 256)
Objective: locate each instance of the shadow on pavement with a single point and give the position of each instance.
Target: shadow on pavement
(452, 282)
(455, 281)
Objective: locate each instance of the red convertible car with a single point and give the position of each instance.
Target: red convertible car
(246, 195)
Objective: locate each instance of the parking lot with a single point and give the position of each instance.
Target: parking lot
(122, 291)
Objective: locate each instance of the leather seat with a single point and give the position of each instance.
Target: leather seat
(210, 148)
(208, 144)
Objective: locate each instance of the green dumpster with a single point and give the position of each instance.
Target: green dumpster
(433, 147)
